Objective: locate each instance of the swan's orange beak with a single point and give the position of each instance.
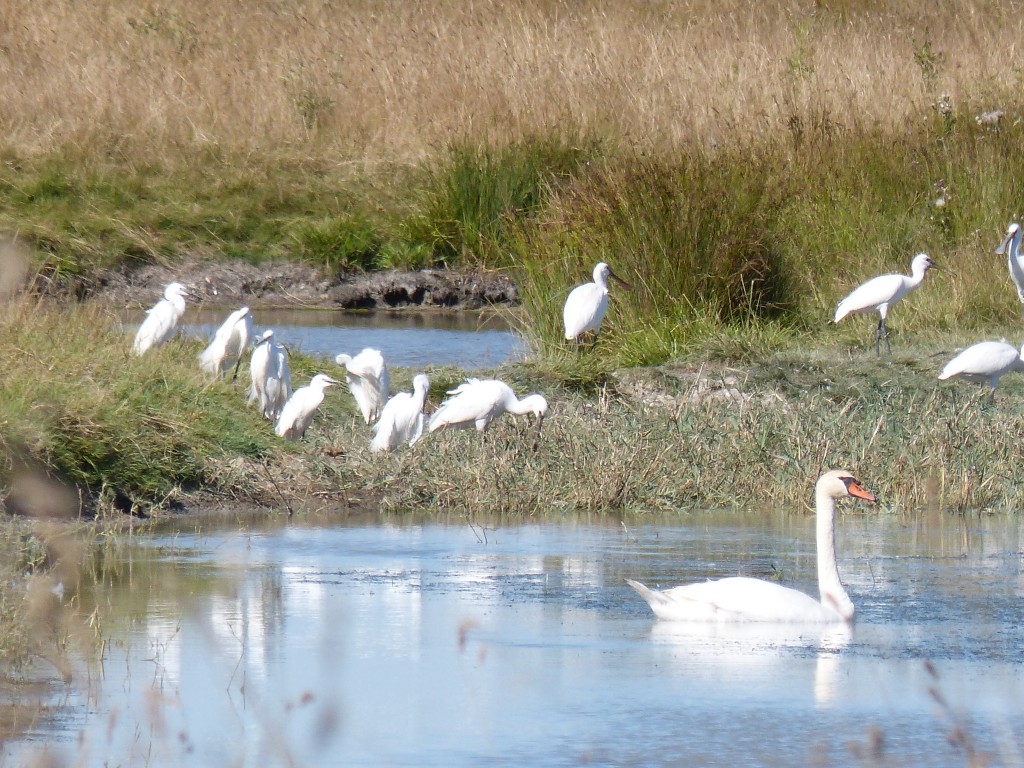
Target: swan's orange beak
(857, 490)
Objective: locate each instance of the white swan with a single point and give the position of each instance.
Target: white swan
(879, 292)
(585, 308)
(740, 598)
(1011, 247)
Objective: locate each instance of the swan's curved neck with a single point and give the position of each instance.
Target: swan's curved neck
(1014, 250)
(833, 595)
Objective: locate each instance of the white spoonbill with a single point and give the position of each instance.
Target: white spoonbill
(301, 406)
(879, 292)
(271, 377)
(1011, 247)
(740, 598)
(401, 420)
(368, 381)
(161, 319)
(228, 345)
(477, 403)
(985, 363)
(587, 303)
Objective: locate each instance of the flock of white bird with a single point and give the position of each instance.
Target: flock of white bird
(477, 403)
(985, 362)
(395, 419)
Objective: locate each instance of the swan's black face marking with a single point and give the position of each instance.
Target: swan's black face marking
(854, 488)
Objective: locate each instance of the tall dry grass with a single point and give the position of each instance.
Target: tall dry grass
(392, 80)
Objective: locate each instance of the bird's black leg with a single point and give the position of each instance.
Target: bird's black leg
(237, 365)
(882, 332)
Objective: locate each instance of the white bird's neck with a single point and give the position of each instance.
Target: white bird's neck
(833, 595)
(518, 407)
(917, 275)
(1014, 250)
(601, 280)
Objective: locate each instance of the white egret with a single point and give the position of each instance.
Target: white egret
(402, 418)
(877, 294)
(740, 598)
(477, 403)
(161, 319)
(301, 406)
(1011, 247)
(228, 345)
(985, 363)
(368, 381)
(271, 377)
(587, 304)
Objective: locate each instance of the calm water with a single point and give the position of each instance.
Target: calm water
(410, 339)
(455, 645)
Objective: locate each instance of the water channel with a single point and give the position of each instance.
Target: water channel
(457, 643)
(470, 340)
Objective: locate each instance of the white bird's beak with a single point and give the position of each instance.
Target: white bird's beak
(619, 280)
(1001, 250)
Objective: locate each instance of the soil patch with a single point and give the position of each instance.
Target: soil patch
(286, 284)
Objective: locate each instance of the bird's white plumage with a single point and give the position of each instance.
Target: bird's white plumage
(879, 293)
(368, 381)
(271, 376)
(587, 304)
(298, 412)
(744, 599)
(1014, 258)
(401, 420)
(985, 363)
(228, 344)
(477, 403)
(161, 319)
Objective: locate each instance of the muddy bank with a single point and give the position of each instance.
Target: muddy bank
(298, 285)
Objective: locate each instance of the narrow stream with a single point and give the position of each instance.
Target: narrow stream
(470, 340)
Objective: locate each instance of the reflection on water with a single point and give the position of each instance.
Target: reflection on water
(410, 339)
(449, 645)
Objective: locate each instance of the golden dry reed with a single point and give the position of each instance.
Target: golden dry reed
(367, 81)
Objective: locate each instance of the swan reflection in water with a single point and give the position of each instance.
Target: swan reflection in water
(756, 656)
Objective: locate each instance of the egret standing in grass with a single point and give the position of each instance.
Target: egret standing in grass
(368, 381)
(271, 378)
(401, 421)
(877, 294)
(477, 403)
(298, 412)
(228, 345)
(162, 319)
(1011, 248)
(985, 363)
(587, 304)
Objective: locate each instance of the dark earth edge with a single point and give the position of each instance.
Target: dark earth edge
(295, 285)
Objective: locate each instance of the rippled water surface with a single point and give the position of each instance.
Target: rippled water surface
(326, 643)
(412, 339)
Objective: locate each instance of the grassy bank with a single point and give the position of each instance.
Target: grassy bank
(110, 429)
